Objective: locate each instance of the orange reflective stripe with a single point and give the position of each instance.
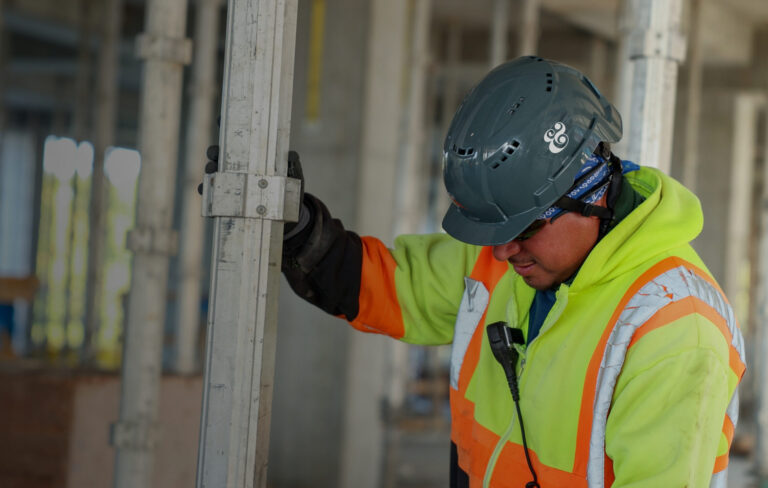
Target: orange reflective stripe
(377, 286)
(721, 462)
(728, 429)
(511, 469)
(465, 432)
(687, 306)
(489, 271)
(581, 455)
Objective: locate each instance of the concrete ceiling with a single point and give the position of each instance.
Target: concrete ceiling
(727, 26)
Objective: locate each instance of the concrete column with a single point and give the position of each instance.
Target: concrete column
(363, 435)
(499, 32)
(198, 136)
(528, 41)
(311, 364)
(105, 115)
(653, 46)
(747, 107)
(760, 371)
(694, 66)
(451, 100)
(413, 180)
(165, 51)
(598, 64)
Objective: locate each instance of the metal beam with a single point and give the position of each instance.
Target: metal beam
(165, 51)
(250, 199)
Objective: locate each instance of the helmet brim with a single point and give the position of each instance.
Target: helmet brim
(470, 231)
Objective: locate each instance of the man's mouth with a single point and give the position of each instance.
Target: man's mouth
(523, 268)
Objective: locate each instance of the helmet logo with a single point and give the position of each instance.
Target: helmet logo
(556, 137)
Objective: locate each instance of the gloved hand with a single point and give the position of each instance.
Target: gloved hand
(294, 171)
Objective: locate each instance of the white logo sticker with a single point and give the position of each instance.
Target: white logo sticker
(556, 137)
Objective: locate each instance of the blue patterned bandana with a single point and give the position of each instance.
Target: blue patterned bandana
(591, 183)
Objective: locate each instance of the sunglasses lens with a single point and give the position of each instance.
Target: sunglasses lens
(531, 230)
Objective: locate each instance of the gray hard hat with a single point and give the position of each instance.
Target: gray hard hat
(516, 144)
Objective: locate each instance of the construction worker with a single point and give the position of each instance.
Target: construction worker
(590, 344)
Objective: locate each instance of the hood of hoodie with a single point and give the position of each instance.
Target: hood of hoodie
(668, 219)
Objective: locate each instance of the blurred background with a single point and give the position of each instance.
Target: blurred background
(375, 85)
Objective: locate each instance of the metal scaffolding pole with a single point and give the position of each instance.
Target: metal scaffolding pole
(693, 107)
(165, 51)
(105, 114)
(499, 31)
(528, 40)
(653, 46)
(250, 198)
(202, 97)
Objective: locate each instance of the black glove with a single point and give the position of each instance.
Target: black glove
(212, 166)
(291, 229)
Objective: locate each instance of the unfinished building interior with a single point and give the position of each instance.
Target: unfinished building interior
(110, 285)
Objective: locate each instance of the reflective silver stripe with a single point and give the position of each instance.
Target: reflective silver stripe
(674, 285)
(471, 310)
(719, 480)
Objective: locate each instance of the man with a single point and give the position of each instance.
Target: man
(569, 267)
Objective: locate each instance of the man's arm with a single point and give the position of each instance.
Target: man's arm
(665, 427)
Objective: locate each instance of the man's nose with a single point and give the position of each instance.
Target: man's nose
(505, 251)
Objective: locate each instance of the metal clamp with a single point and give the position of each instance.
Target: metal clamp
(149, 46)
(657, 44)
(247, 195)
(148, 240)
(137, 434)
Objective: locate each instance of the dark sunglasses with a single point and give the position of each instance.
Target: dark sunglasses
(531, 230)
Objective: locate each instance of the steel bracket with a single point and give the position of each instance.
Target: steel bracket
(248, 195)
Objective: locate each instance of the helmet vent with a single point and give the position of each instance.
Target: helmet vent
(549, 82)
(463, 151)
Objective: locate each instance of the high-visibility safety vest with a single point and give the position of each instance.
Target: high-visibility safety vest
(632, 378)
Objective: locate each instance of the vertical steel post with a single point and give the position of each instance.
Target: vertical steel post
(653, 46)
(528, 39)
(695, 70)
(165, 51)
(105, 114)
(250, 199)
(499, 32)
(202, 96)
